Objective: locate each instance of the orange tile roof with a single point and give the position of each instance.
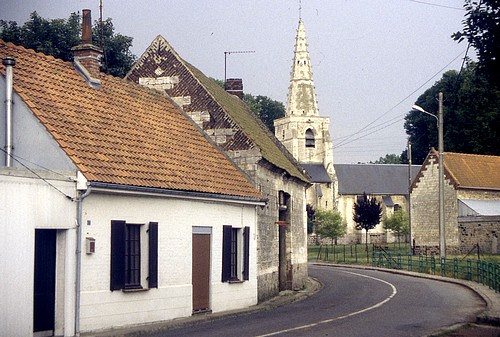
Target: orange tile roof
(123, 133)
(473, 170)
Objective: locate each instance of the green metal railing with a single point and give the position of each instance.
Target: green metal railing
(398, 256)
(484, 272)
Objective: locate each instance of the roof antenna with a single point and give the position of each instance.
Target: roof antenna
(300, 10)
(233, 52)
(100, 24)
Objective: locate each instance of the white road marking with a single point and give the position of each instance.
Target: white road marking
(394, 292)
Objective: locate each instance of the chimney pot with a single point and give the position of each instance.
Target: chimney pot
(88, 55)
(86, 27)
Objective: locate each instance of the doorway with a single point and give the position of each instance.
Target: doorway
(44, 280)
(201, 269)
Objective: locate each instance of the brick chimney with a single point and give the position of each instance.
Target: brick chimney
(88, 55)
(234, 86)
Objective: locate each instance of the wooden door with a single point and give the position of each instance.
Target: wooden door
(44, 280)
(201, 272)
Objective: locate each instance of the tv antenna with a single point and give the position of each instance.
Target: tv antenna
(233, 52)
(101, 32)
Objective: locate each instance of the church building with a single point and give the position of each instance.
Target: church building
(304, 132)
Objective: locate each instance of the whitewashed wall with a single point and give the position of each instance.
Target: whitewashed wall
(102, 308)
(27, 202)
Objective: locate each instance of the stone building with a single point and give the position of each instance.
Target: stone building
(304, 132)
(472, 203)
(281, 225)
(387, 183)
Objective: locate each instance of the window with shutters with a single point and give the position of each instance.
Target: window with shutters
(132, 256)
(235, 254)
(134, 253)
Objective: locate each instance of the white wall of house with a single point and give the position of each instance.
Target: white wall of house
(102, 308)
(27, 203)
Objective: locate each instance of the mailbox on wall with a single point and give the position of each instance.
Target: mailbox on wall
(90, 245)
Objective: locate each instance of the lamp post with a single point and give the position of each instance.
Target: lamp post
(439, 120)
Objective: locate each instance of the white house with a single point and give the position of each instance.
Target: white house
(225, 118)
(162, 223)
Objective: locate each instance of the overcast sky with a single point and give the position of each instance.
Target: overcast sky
(371, 58)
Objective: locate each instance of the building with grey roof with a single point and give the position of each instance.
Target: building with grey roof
(388, 183)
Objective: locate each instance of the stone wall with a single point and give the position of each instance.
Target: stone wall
(425, 209)
(479, 231)
(270, 182)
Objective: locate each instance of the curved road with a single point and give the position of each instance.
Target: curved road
(357, 303)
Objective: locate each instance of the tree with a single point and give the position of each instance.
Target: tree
(56, 37)
(389, 159)
(471, 115)
(481, 29)
(398, 223)
(51, 37)
(311, 215)
(118, 59)
(367, 214)
(329, 224)
(265, 108)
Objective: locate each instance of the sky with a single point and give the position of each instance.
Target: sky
(371, 59)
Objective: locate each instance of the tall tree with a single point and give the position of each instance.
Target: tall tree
(367, 214)
(265, 108)
(118, 59)
(481, 28)
(329, 224)
(51, 37)
(471, 115)
(56, 37)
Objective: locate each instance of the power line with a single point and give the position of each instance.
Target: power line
(38, 176)
(436, 5)
(346, 141)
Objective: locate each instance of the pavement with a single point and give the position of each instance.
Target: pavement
(487, 323)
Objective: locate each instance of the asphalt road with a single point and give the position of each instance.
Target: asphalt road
(355, 303)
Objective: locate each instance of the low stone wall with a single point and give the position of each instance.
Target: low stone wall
(479, 231)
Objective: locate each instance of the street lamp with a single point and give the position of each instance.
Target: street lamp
(439, 120)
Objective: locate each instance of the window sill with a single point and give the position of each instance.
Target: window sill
(235, 281)
(134, 290)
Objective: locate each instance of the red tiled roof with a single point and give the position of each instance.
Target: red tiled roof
(473, 170)
(123, 133)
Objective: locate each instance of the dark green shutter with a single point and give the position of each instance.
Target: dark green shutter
(226, 253)
(246, 253)
(153, 255)
(117, 280)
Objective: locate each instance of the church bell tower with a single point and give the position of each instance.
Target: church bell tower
(303, 131)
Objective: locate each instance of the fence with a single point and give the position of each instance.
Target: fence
(480, 271)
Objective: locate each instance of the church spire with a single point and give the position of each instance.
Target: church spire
(301, 96)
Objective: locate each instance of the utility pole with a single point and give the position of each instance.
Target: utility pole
(409, 195)
(442, 241)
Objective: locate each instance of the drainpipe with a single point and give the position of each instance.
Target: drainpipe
(79, 207)
(8, 62)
